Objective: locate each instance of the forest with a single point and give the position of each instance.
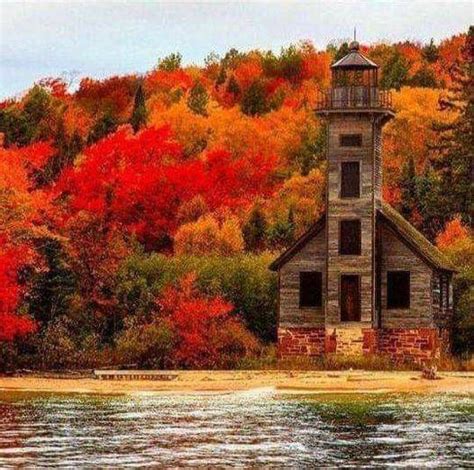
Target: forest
(139, 213)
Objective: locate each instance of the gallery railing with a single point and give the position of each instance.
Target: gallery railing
(354, 97)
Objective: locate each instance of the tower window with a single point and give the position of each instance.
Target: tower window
(349, 237)
(350, 140)
(398, 289)
(350, 179)
(311, 288)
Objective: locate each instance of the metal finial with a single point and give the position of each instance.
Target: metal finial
(355, 34)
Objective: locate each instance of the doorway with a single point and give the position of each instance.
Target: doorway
(350, 297)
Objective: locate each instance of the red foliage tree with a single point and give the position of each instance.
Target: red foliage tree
(138, 182)
(11, 325)
(204, 327)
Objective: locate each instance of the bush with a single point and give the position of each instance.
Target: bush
(146, 345)
(243, 280)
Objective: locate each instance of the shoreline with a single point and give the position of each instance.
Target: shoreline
(282, 382)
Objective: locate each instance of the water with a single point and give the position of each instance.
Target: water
(248, 429)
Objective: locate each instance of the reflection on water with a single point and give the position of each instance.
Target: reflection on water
(257, 428)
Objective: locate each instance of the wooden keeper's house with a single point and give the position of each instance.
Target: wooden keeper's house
(362, 279)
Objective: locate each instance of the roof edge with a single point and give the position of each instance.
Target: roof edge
(299, 243)
(437, 259)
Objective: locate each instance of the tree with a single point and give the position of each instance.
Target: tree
(139, 113)
(452, 155)
(221, 78)
(254, 100)
(233, 87)
(395, 71)
(198, 99)
(430, 52)
(207, 236)
(170, 63)
(12, 325)
(457, 242)
(104, 126)
(408, 186)
(254, 230)
(207, 333)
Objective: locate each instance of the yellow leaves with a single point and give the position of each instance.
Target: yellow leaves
(411, 132)
(191, 130)
(207, 236)
(305, 195)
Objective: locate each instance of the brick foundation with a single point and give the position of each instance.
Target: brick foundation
(400, 344)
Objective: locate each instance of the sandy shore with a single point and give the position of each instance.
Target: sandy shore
(227, 381)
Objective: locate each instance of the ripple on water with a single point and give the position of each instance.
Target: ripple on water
(257, 428)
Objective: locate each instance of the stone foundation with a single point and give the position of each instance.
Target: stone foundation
(297, 342)
(400, 344)
(418, 344)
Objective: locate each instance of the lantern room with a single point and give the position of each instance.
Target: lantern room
(354, 83)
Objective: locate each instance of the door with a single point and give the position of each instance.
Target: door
(350, 297)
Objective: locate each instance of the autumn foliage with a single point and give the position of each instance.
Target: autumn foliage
(219, 161)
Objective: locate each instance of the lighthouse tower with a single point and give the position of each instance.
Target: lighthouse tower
(355, 111)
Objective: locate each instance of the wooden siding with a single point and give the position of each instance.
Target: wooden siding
(361, 208)
(312, 257)
(396, 255)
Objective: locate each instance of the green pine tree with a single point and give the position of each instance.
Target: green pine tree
(408, 186)
(254, 101)
(221, 78)
(233, 87)
(198, 99)
(139, 113)
(254, 231)
(453, 157)
(394, 72)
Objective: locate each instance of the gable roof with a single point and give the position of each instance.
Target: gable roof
(299, 244)
(407, 233)
(415, 239)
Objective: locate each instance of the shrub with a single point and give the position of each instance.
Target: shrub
(243, 280)
(208, 336)
(146, 345)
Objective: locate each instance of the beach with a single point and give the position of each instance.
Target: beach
(286, 382)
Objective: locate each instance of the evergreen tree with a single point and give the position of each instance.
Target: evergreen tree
(53, 287)
(408, 187)
(282, 233)
(170, 63)
(233, 87)
(424, 78)
(394, 72)
(105, 125)
(139, 113)
(430, 52)
(254, 230)
(453, 157)
(254, 101)
(221, 78)
(198, 99)
(342, 51)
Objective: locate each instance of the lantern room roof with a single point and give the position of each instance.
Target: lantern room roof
(354, 60)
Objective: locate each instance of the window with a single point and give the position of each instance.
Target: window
(350, 179)
(398, 289)
(311, 288)
(444, 301)
(349, 237)
(350, 140)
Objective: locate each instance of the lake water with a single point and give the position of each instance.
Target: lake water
(245, 429)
